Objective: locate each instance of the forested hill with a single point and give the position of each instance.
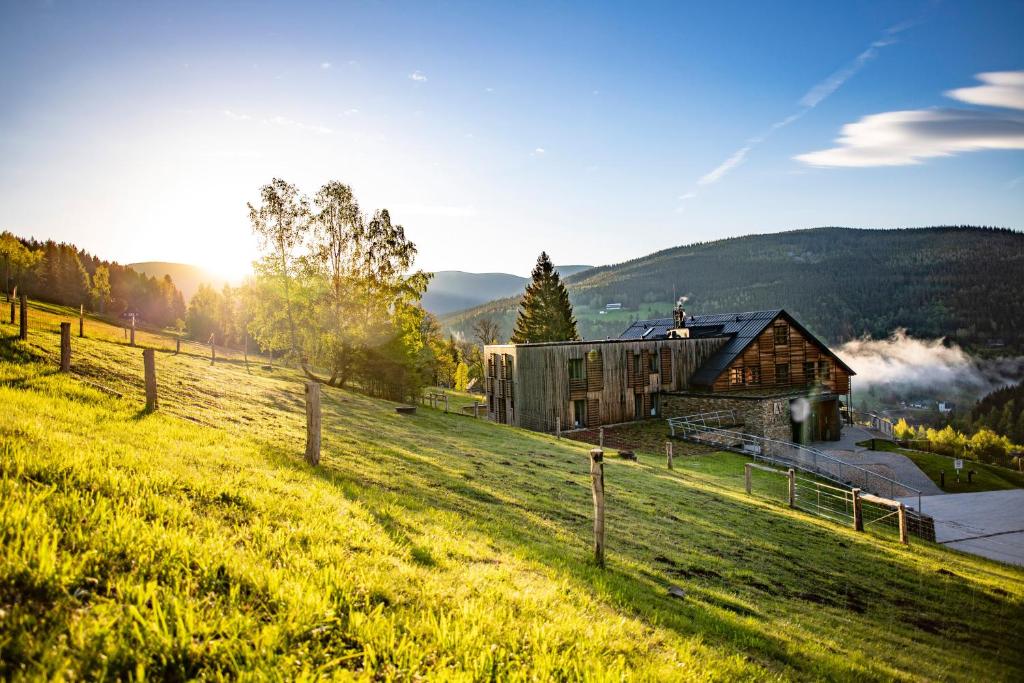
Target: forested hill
(961, 282)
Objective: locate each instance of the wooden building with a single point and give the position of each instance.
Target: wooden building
(758, 361)
(586, 384)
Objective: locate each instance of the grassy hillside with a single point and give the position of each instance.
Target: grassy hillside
(187, 278)
(194, 542)
(842, 283)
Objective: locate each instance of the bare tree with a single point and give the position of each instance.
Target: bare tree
(485, 330)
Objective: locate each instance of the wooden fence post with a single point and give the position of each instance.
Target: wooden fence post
(476, 410)
(12, 311)
(597, 488)
(23, 329)
(600, 437)
(177, 345)
(132, 343)
(858, 516)
(792, 487)
(213, 351)
(313, 423)
(902, 514)
(747, 477)
(446, 403)
(65, 347)
(668, 454)
(558, 426)
(149, 362)
(81, 320)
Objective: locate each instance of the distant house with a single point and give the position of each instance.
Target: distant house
(755, 363)
(613, 307)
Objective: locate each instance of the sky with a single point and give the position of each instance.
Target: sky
(598, 132)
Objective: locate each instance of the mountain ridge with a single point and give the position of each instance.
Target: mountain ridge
(843, 283)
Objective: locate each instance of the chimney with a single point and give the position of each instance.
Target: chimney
(679, 314)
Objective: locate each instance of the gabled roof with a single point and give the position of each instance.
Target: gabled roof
(742, 328)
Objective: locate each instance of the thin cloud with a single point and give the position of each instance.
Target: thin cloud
(325, 65)
(538, 152)
(235, 116)
(811, 99)
(719, 171)
(297, 125)
(901, 138)
(418, 77)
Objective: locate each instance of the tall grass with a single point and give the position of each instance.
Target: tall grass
(194, 542)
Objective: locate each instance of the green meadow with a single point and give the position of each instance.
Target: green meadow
(195, 543)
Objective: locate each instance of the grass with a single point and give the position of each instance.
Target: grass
(195, 542)
(986, 477)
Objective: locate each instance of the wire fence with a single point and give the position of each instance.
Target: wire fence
(701, 428)
(845, 506)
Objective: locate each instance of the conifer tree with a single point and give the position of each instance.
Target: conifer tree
(545, 314)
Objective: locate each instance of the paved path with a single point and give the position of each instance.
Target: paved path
(892, 465)
(990, 524)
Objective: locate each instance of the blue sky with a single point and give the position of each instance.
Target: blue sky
(597, 132)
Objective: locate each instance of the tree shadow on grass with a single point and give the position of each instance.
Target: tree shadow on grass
(725, 608)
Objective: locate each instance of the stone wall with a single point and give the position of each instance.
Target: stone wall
(767, 417)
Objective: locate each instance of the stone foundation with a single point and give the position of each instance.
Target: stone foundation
(767, 417)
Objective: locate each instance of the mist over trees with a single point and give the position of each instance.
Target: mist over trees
(957, 282)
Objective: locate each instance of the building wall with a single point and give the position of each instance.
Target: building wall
(766, 356)
(767, 417)
(529, 384)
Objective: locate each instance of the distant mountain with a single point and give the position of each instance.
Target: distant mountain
(186, 277)
(962, 283)
(455, 290)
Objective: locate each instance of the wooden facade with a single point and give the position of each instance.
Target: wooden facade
(783, 358)
(586, 384)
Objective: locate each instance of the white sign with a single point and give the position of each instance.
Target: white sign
(958, 464)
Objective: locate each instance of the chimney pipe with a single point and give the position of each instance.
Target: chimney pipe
(679, 314)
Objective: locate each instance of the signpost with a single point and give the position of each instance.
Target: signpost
(958, 465)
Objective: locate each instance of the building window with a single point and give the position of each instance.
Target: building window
(575, 368)
(579, 413)
(781, 335)
(753, 375)
(736, 376)
(652, 362)
(654, 405)
(809, 372)
(782, 373)
(824, 370)
(638, 406)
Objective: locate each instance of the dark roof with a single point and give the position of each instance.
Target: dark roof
(742, 328)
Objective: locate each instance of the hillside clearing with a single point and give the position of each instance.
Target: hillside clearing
(195, 542)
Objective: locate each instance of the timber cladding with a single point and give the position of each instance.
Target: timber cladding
(586, 384)
(783, 357)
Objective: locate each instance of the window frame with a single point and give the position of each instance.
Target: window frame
(736, 372)
(780, 370)
(781, 332)
(580, 365)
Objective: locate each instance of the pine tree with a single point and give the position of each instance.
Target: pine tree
(545, 314)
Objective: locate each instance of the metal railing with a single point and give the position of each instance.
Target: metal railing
(816, 462)
(717, 418)
(870, 420)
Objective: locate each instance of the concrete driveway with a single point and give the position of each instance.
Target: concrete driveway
(892, 465)
(990, 524)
